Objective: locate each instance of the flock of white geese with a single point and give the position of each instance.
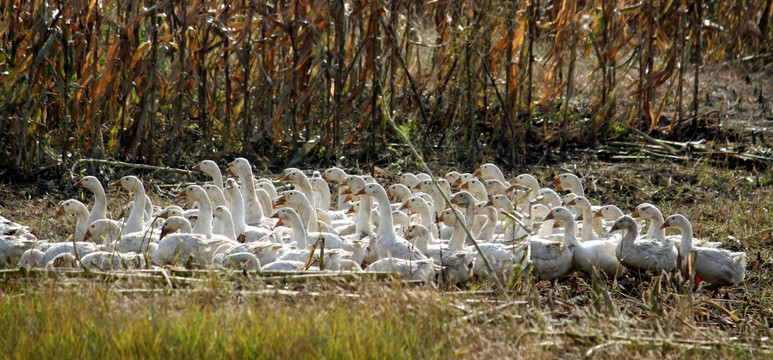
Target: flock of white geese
(406, 228)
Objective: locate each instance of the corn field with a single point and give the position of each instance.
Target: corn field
(152, 81)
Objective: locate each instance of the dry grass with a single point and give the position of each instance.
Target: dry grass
(646, 318)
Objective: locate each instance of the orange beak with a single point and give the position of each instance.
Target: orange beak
(557, 184)
(665, 225)
(116, 184)
(477, 173)
(87, 236)
(550, 216)
(163, 233)
(579, 217)
(457, 182)
(403, 206)
(275, 215)
(597, 214)
(441, 218)
(465, 186)
(614, 228)
(348, 197)
(361, 192)
(77, 184)
(281, 177)
(196, 167)
(59, 211)
(635, 213)
(184, 193)
(571, 203)
(280, 200)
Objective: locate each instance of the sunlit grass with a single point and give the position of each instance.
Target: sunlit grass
(92, 320)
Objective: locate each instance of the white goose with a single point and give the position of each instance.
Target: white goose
(337, 175)
(182, 247)
(589, 253)
(301, 183)
(298, 201)
(642, 254)
(303, 238)
(75, 208)
(410, 180)
(99, 210)
(503, 259)
(457, 264)
(210, 168)
(217, 198)
(716, 266)
(250, 233)
(417, 205)
(109, 230)
(490, 171)
(495, 187)
(570, 182)
(387, 243)
(135, 221)
(476, 188)
(530, 182)
(656, 230)
(253, 211)
(222, 215)
(204, 223)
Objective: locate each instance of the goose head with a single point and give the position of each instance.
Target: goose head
(88, 182)
(169, 211)
(647, 211)
(677, 221)
(568, 181)
(129, 182)
(494, 186)
(240, 166)
(499, 201)
(488, 171)
(452, 176)
(624, 222)
(463, 199)
(221, 212)
(609, 212)
(463, 178)
(560, 213)
(414, 231)
(549, 197)
(193, 192)
(409, 180)
(334, 174)
(291, 175)
(174, 223)
(207, 166)
(101, 227)
(398, 191)
(286, 216)
(72, 207)
(527, 180)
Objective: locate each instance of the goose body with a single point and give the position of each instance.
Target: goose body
(716, 266)
(587, 254)
(642, 254)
